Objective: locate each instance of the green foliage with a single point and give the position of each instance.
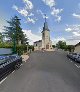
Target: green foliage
(70, 48)
(62, 45)
(31, 47)
(19, 48)
(1, 38)
(53, 46)
(6, 45)
(16, 35)
(14, 31)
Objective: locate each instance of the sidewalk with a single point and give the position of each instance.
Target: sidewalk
(25, 57)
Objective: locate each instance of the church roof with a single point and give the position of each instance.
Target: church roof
(38, 41)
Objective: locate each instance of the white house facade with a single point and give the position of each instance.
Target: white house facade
(77, 48)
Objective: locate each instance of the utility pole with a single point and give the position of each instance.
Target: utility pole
(14, 43)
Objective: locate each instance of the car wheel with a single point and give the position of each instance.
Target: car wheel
(17, 66)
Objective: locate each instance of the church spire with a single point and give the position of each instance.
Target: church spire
(45, 18)
(45, 24)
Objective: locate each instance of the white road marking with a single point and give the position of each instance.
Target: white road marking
(3, 80)
(77, 66)
(21, 64)
(13, 71)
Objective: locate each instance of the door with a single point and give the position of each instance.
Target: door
(47, 46)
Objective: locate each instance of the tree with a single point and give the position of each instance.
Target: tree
(61, 45)
(53, 46)
(25, 40)
(14, 30)
(15, 34)
(1, 38)
(70, 48)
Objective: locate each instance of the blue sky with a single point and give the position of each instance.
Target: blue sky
(63, 17)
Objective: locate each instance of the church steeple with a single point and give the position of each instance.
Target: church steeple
(45, 18)
(45, 25)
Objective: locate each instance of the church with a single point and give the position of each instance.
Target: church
(45, 43)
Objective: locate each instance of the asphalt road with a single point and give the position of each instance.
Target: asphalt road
(44, 72)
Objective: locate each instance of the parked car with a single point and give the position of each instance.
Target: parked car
(77, 60)
(8, 64)
(74, 56)
(69, 55)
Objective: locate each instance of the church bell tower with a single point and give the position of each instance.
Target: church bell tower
(45, 36)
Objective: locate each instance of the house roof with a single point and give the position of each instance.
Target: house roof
(77, 44)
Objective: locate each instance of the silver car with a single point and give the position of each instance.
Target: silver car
(77, 59)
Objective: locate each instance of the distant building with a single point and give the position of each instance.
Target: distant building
(77, 48)
(45, 43)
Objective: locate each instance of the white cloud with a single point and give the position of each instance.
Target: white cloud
(40, 12)
(31, 36)
(23, 11)
(40, 30)
(69, 40)
(72, 42)
(55, 12)
(58, 18)
(76, 15)
(55, 40)
(2, 24)
(1, 29)
(28, 4)
(68, 29)
(75, 29)
(31, 20)
(50, 3)
(15, 7)
(76, 33)
(31, 14)
(26, 11)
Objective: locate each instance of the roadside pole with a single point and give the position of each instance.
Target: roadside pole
(14, 43)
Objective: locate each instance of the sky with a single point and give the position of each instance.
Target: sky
(63, 18)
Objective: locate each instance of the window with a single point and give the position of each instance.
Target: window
(36, 44)
(43, 34)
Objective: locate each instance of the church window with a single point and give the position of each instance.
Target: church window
(36, 44)
(43, 34)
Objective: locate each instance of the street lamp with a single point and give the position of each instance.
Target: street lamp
(14, 43)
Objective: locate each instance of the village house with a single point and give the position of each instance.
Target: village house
(77, 48)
